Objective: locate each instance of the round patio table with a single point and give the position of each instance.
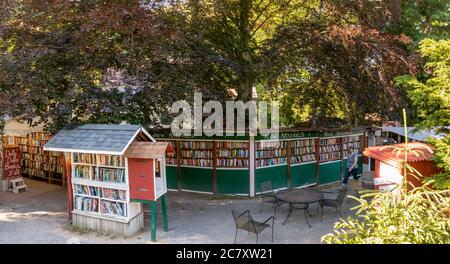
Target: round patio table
(299, 199)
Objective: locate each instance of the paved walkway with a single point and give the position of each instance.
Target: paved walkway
(40, 216)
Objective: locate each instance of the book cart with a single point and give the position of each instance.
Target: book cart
(107, 184)
(237, 165)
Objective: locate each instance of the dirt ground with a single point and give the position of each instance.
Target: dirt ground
(40, 216)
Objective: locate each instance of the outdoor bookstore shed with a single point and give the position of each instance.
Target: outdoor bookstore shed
(106, 179)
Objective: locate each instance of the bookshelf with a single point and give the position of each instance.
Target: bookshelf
(232, 154)
(101, 188)
(302, 151)
(40, 164)
(197, 153)
(270, 153)
(329, 149)
(352, 142)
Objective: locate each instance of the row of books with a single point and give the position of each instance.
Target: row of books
(302, 150)
(111, 160)
(113, 208)
(263, 153)
(33, 172)
(243, 153)
(196, 145)
(30, 149)
(86, 204)
(232, 145)
(303, 158)
(270, 162)
(40, 136)
(101, 192)
(113, 194)
(270, 145)
(351, 139)
(24, 140)
(329, 141)
(85, 158)
(41, 165)
(302, 143)
(86, 190)
(330, 156)
(38, 142)
(111, 175)
(352, 145)
(85, 172)
(196, 154)
(40, 158)
(232, 163)
(329, 148)
(197, 162)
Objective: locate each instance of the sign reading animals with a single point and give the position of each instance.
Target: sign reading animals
(11, 162)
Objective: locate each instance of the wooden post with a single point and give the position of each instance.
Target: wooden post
(68, 164)
(164, 212)
(288, 163)
(153, 221)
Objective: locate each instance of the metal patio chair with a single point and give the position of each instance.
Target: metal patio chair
(244, 221)
(334, 199)
(268, 195)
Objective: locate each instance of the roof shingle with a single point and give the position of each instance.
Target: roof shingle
(92, 137)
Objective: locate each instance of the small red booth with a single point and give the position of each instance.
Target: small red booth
(389, 165)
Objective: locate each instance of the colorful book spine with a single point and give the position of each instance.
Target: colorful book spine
(111, 175)
(113, 194)
(113, 208)
(86, 204)
(85, 158)
(85, 190)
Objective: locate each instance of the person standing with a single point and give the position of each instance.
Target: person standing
(352, 165)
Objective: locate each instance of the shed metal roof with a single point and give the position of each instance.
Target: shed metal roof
(425, 152)
(96, 138)
(416, 134)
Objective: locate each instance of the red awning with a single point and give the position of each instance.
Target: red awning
(388, 154)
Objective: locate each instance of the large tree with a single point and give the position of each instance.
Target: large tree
(56, 56)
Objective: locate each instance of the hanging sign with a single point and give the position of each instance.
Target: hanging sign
(11, 163)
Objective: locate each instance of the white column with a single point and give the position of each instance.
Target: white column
(252, 166)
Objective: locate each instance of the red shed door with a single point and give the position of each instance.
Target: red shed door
(142, 181)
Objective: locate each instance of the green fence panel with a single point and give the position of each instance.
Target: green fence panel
(360, 165)
(172, 177)
(276, 174)
(330, 172)
(303, 174)
(232, 181)
(197, 179)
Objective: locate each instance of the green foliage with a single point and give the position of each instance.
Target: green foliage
(442, 159)
(422, 19)
(430, 96)
(418, 217)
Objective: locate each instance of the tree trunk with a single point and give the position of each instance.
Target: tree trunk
(247, 78)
